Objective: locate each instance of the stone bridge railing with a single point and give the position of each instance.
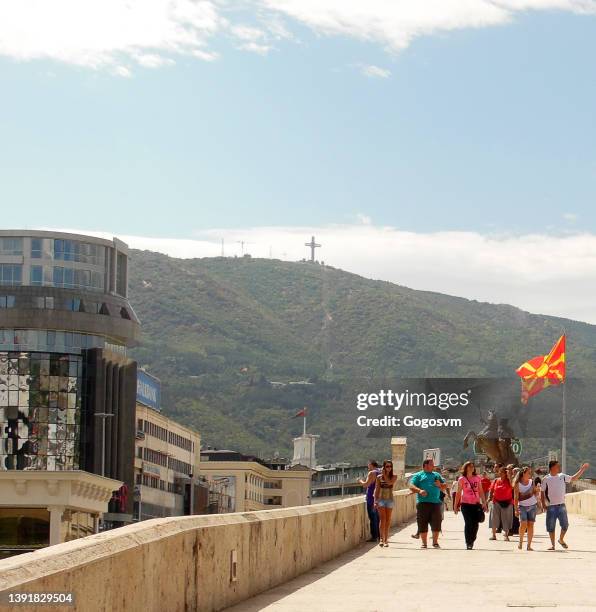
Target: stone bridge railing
(194, 563)
(583, 502)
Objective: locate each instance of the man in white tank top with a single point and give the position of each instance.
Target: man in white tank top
(553, 499)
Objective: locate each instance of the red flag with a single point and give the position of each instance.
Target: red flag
(301, 413)
(543, 371)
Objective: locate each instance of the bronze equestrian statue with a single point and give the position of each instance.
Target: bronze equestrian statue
(494, 440)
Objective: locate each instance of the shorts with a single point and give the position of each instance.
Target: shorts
(527, 514)
(385, 503)
(427, 512)
(559, 511)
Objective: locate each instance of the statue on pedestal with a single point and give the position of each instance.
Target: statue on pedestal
(494, 440)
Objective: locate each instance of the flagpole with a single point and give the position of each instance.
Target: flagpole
(304, 430)
(564, 416)
(564, 435)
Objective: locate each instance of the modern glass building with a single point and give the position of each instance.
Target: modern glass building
(65, 327)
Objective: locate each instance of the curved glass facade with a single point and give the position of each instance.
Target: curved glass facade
(63, 314)
(40, 410)
(52, 341)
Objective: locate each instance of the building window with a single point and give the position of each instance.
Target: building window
(75, 305)
(70, 278)
(43, 302)
(36, 248)
(121, 274)
(7, 301)
(11, 246)
(71, 250)
(11, 274)
(58, 277)
(36, 275)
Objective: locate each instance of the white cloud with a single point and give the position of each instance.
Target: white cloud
(553, 275)
(375, 72)
(570, 217)
(244, 32)
(251, 39)
(255, 47)
(395, 23)
(206, 56)
(122, 71)
(151, 60)
(107, 33)
(117, 34)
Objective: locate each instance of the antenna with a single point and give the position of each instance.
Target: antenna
(242, 243)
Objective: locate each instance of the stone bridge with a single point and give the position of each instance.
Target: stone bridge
(309, 558)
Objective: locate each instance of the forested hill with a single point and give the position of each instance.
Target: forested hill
(217, 331)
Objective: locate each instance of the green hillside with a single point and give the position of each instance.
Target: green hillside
(218, 330)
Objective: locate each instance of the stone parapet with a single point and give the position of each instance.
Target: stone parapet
(583, 502)
(195, 563)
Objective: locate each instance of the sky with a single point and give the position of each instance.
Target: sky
(442, 144)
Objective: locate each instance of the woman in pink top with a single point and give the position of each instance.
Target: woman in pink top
(470, 499)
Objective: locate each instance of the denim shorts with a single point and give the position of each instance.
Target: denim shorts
(385, 503)
(559, 511)
(527, 513)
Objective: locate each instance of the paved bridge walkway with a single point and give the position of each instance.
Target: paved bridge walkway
(493, 576)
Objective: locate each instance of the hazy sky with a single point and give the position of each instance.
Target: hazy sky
(449, 137)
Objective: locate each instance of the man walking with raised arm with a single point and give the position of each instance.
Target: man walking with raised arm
(553, 498)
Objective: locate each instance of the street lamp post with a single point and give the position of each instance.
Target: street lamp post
(343, 466)
(103, 416)
(192, 493)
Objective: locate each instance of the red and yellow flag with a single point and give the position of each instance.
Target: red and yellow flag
(543, 371)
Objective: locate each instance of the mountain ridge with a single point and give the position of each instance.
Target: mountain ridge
(215, 330)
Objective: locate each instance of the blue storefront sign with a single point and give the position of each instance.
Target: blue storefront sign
(148, 390)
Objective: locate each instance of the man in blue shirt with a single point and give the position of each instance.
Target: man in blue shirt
(428, 485)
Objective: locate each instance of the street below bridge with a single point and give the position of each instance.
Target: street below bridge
(493, 576)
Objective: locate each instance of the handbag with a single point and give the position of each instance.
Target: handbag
(504, 504)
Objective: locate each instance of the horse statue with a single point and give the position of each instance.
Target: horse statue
(494, 440)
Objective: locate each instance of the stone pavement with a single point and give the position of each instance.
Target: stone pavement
(493, 576)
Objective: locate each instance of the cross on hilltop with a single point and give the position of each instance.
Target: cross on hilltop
(313, 245)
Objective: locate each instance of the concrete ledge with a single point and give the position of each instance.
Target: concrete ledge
(583, 502)
(185, 563)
